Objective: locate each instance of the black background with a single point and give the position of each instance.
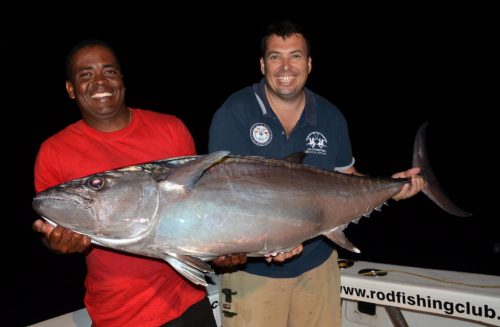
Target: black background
(388, 69)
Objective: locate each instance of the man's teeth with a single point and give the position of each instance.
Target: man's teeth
(101, 95)
(285, 78)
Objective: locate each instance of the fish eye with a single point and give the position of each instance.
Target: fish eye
(95, 183)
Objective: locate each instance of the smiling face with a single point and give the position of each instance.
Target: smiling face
(96, 84)
(286, 65)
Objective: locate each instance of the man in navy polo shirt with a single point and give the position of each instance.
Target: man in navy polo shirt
(276, 118)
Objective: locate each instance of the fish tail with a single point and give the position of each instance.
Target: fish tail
(432, 189)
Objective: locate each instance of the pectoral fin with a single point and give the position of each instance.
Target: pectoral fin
(192, 268)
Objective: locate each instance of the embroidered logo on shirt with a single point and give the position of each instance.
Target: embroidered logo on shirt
(260, 134)
(316, 143)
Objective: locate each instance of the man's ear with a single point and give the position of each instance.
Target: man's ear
(71, 90)
(262, 66)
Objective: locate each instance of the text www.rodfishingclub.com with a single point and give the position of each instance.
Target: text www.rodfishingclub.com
(447, 307)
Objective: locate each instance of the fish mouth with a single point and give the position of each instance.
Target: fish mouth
(95, 234)
(106, 241)
(53, 224)
(70, 198)
(61, 208)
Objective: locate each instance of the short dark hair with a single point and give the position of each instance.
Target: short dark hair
(283, 29)
(84, 44)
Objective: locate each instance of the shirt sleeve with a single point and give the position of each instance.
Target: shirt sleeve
(46, 172)
(187, 145)
(345, 158)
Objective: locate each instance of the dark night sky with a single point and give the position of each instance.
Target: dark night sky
(387, 71)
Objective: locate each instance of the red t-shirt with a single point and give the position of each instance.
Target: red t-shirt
(121, 289)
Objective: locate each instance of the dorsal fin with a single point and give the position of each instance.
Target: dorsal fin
(297, 157)
(188, 174)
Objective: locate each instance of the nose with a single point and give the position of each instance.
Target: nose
(99, 79)
(285, 63)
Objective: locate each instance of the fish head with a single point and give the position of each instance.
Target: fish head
(114, 205)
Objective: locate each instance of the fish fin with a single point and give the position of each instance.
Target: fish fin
(193, 262)
(190, 172)
(379, 208)
(432, 189)
(368, 214)
(297, 157)
(190, 267)
(337, 236)
(355, 221)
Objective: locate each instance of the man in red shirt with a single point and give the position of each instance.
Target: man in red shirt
(121, 289)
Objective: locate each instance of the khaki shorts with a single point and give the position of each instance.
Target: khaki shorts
(311, 299)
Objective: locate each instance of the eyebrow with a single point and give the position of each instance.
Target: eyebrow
(104, 66)
(279, 52)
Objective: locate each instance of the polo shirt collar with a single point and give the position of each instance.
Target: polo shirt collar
(310, 112)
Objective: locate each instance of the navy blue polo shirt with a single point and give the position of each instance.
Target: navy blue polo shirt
(246, 125)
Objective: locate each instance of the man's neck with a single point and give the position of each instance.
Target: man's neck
(111, 124)
(288, 111)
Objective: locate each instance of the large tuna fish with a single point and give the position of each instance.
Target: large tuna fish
(175, 209)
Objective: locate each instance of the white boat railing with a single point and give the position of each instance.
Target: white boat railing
(376, 294)
(425, 297)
